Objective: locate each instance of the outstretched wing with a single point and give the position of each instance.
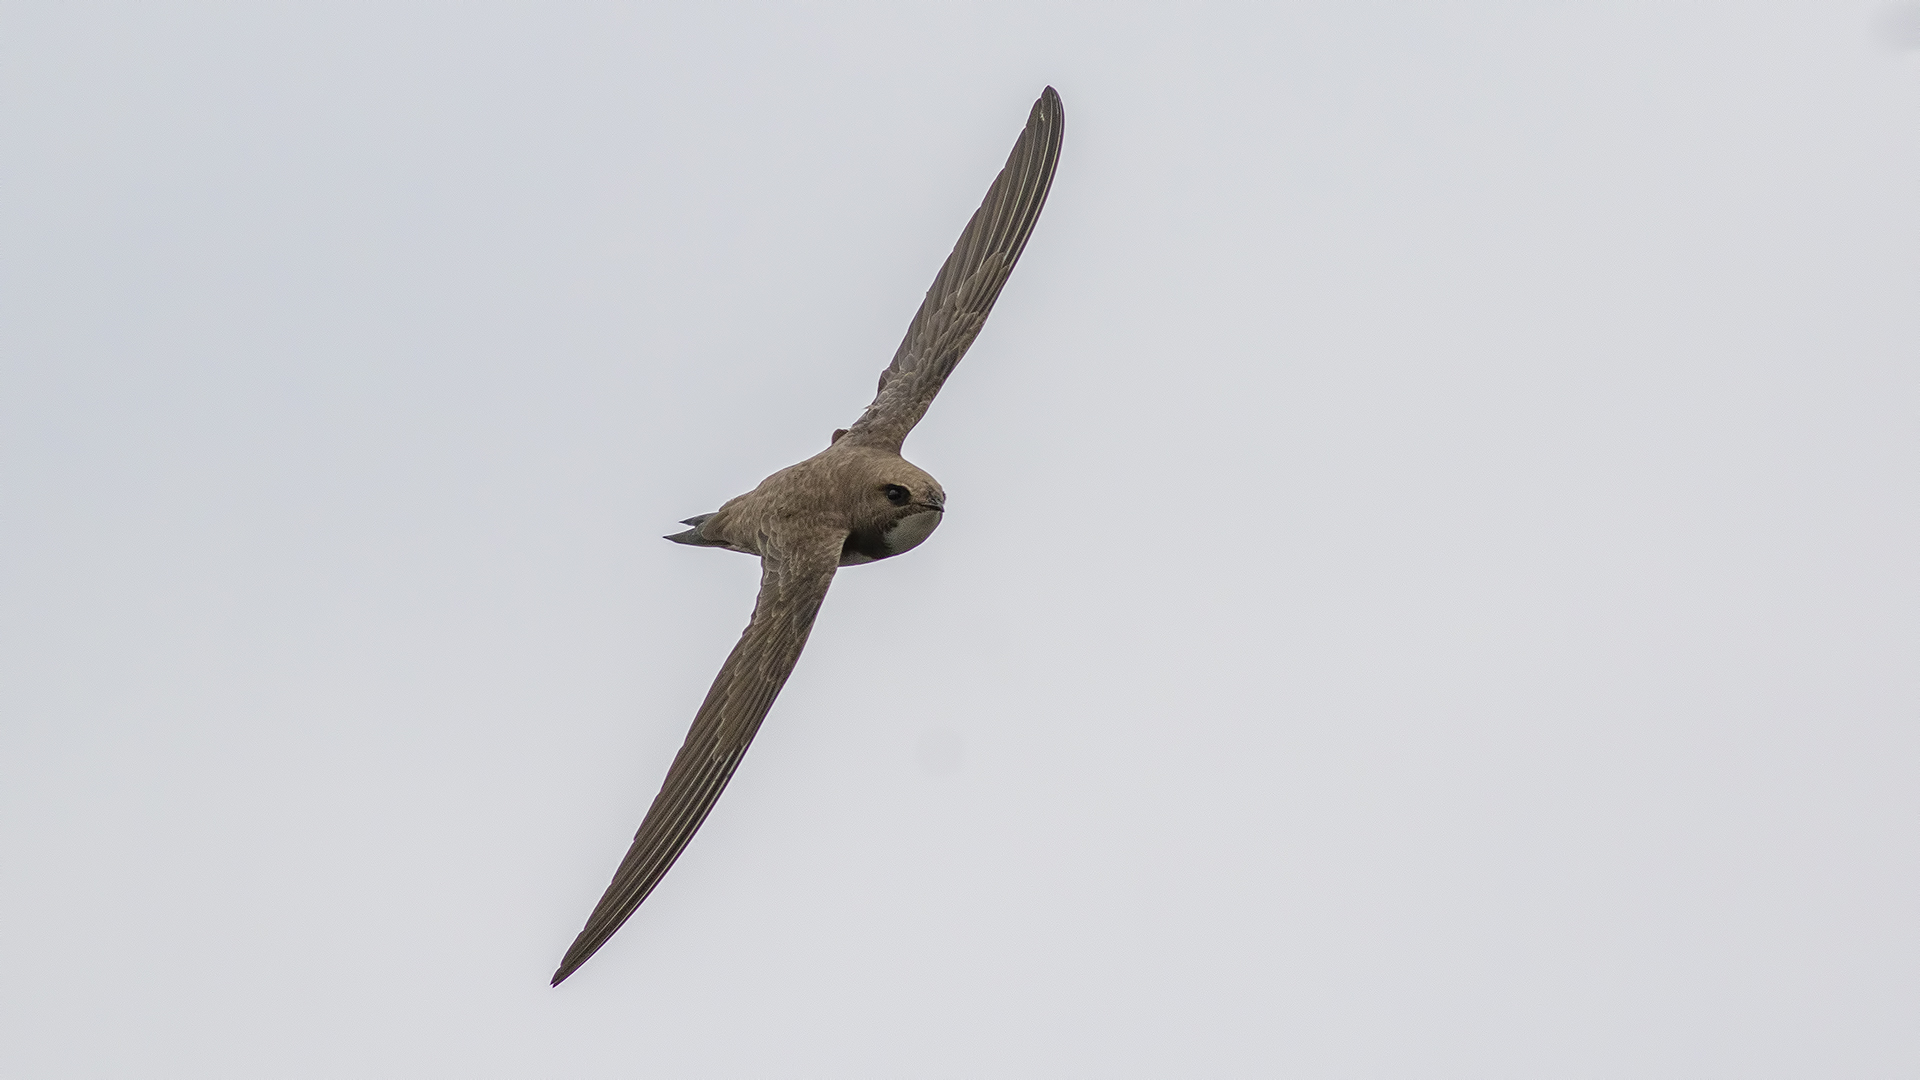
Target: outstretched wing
(967, 285)
(793, 581)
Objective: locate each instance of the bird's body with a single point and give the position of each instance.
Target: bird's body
(883, 505)
(855, 502)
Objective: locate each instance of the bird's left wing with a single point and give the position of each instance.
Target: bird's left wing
(968, 283)
(794, 575)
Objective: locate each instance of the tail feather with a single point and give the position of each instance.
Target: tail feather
(693, 536)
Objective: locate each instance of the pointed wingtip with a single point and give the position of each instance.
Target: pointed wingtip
(568, 965)
(1047, 112)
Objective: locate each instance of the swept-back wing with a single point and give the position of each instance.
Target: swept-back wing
(793, 582)
(969, 282)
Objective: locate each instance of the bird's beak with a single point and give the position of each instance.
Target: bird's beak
(937, 507)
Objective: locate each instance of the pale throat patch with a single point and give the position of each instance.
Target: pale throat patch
(906, 534)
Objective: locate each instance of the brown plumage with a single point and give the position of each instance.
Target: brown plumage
(854, 502)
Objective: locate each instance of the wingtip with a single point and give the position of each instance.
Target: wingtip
(568, 965)
(1047, 114)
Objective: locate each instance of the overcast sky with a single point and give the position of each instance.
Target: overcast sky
(1432, 585)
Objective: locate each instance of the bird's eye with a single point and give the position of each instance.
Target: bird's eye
(896, 494)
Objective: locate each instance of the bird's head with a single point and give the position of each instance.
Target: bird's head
(895, 507)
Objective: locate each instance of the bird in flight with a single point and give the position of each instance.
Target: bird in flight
(857, 501)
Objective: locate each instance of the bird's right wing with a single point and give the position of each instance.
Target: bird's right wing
(793, 581)
(968, 283)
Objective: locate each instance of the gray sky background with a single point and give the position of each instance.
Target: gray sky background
(1431, 588)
